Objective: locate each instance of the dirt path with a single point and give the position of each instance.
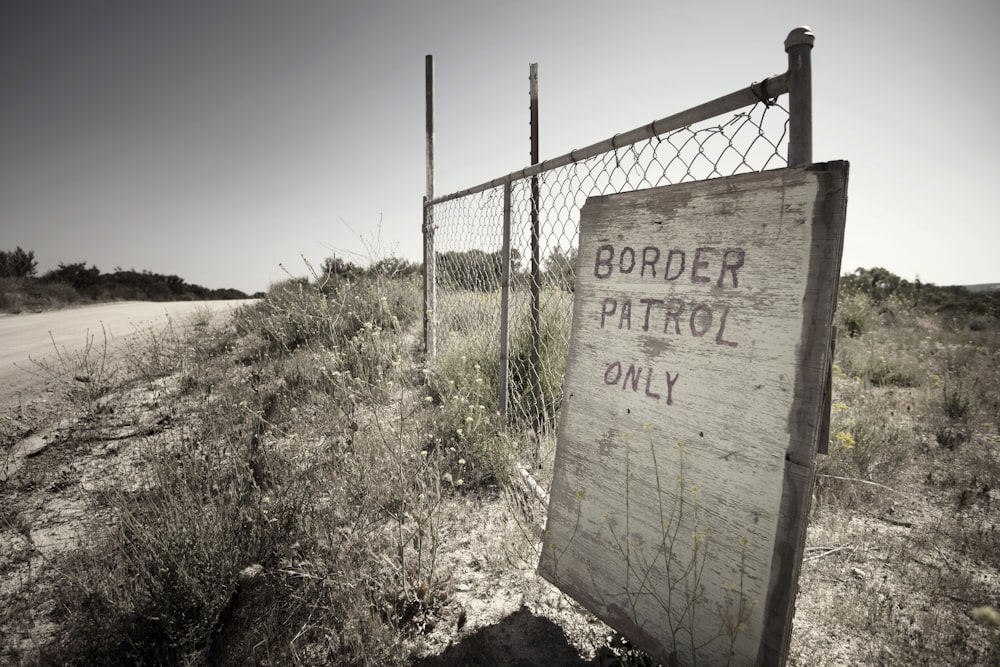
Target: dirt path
(31, 336)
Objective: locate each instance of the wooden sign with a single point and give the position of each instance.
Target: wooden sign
(692, 402)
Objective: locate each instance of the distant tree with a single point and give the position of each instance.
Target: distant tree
(560, 268)
(17, 263)
(887, 290)
(474, 269)
(176, 285)
(339, 267)
(877, 283)
(393, 267)
(227, 293)
(84, 280)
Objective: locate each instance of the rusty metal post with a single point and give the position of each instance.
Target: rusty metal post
(430, 263)
(534, 372)
(798, 46)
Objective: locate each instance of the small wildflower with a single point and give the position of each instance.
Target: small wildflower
(986, 616)
(845, 440)
(461, 462)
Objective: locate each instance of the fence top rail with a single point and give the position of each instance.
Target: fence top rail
(768, 89)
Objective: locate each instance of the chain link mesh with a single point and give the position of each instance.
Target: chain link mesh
(469, 241)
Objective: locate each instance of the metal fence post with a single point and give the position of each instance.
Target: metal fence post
(505, 304)
(536, 269)
(430, 263)
(430, 278)
(798, 46)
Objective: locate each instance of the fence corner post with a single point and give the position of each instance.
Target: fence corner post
(798, 46)
(430, 277)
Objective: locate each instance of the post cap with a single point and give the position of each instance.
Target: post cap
(802, 36)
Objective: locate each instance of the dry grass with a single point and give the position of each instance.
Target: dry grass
(290, 487)
(903, 543)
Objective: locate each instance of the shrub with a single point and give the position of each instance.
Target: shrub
(17, 263)
(885, 372)
(462, 424)
(855, 313)
(867, 444)
(535, 393)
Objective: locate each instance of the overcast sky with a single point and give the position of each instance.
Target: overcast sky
(217, 139)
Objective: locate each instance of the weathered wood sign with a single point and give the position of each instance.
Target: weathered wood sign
(692, 403)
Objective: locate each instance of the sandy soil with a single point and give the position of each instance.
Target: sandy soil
(37, 336)
(41, 337)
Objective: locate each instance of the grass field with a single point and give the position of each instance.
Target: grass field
(295, 485)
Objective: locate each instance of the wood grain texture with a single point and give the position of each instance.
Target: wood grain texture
(692, 400)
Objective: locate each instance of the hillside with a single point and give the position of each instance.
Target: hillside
(296, 485)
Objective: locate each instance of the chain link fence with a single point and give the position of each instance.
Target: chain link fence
(504, 260)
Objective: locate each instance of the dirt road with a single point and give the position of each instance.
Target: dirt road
(31, 336)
